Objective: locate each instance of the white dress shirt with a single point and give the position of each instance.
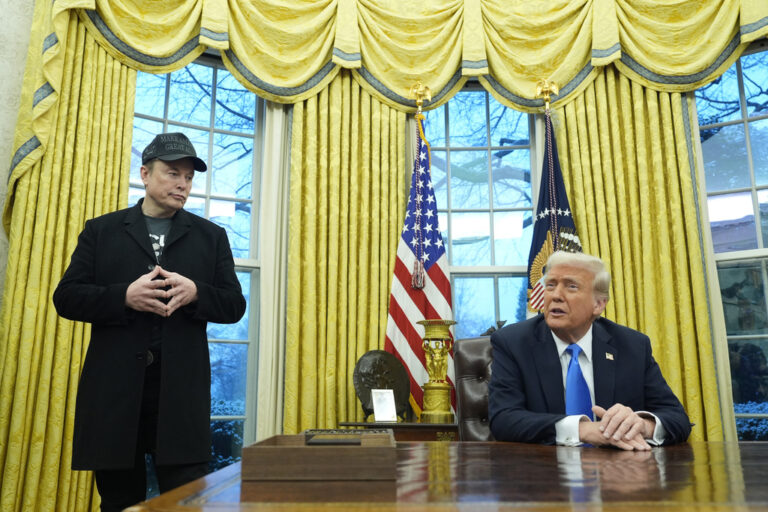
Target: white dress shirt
(567, 429)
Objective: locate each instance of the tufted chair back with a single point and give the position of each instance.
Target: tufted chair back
(472, 364)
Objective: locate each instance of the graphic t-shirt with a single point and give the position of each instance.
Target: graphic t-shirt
(158, 232)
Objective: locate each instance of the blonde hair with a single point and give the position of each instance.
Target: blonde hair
(601, 284)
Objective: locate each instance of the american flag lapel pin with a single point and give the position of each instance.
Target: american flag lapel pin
(609, 356)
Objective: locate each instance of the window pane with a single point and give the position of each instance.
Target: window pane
(511, 171)
(439, 178)
(150, 94)
(442, 218)
(474, 305)
(762, 199)
(752, 429)
(469, 179)
(508, 127)
(749, 371)
(189, 99)
(471, 239)
(232, 166)
(732, 221)
(718, 101)
(134, 194)
(467, 119)
(229, 364)
(512, 235)
(513, 294)
(758, 135)
(434, 127)
(235, 217)
(755, 70)
(195, 205)
(725, 158)
(144, 131)
(238, 331)
(743, 295)
(235, 106)
(226, 440)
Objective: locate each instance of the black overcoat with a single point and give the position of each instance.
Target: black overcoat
(113, 251)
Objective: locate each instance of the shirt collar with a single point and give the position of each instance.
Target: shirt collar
(585, 343)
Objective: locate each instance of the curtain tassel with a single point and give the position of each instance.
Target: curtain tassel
(417, 279)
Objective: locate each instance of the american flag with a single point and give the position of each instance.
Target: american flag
(553, 226)
(421, 288)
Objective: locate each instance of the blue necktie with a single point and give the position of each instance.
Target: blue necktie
(577, 400)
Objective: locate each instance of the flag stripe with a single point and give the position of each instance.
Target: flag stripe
(437, 289)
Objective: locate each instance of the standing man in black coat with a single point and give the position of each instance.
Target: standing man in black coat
(612, 384)
(148, 278)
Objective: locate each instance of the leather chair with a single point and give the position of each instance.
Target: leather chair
(472, 365)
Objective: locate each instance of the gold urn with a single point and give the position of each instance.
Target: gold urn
(437, 391)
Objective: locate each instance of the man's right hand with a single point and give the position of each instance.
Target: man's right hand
(146, 293)
(589, 432)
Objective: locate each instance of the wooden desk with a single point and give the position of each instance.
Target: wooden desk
(443, 476)
(413, 431)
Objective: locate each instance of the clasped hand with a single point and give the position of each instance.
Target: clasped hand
(619, 426)
(149, 292)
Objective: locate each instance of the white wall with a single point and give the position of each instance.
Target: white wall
(14, 39)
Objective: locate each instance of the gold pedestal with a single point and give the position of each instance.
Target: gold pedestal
(437, 392)
(437, 403)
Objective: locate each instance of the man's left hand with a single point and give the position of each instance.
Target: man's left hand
(620, 422)
(182, 290)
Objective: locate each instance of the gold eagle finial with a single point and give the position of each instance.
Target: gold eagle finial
(420, 92)
(544, 89)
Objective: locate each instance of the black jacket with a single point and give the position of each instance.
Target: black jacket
(112, 251)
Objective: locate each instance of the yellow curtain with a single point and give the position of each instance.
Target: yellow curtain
(628, 163)
(347, 204)
(83, 173)
(289, 51)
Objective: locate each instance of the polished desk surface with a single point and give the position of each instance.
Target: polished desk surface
(466, 476)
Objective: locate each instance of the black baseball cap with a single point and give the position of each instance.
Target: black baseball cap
(172, 146)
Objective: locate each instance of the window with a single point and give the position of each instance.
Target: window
(733, 120)
(481, 173)
(224, 122)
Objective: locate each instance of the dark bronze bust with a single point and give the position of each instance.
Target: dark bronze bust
(377, 369)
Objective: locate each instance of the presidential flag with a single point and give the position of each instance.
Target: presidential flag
(553, 226)
(421, 288)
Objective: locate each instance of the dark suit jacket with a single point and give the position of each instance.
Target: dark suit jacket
(526, 396)
(112, 251)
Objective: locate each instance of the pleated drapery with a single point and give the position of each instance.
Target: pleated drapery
(347, 203)
(627, 158)
(83, 173)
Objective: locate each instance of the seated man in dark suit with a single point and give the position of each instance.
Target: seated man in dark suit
(538, 395)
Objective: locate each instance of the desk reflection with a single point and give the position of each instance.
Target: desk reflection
(604, 474)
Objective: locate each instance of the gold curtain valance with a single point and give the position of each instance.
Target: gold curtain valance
(288, 51)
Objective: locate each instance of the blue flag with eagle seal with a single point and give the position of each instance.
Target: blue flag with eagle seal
(553, 226)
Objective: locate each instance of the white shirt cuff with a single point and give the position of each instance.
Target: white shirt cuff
(659, 432)
(567, 430)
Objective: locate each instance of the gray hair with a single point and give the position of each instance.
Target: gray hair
(601, 285)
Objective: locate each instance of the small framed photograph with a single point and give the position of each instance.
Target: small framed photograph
(383, 405)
